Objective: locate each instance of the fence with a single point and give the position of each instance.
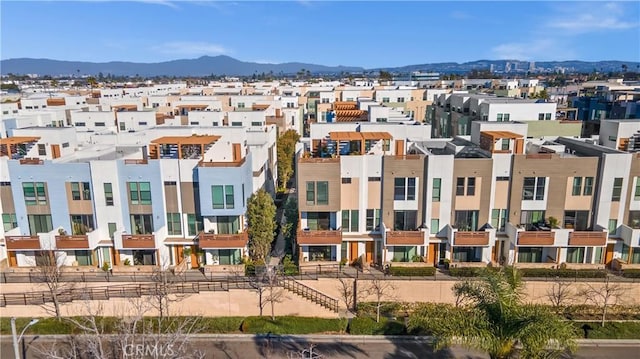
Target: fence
(310, 293)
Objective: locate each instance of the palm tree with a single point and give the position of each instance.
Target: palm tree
(496, 321)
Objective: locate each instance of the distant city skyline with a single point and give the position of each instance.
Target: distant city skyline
(366, 34)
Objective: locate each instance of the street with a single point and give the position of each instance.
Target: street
(244, 347)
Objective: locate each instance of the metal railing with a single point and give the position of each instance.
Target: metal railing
(309, 293)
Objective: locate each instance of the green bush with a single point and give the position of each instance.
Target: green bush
(562, 273)
(292, 325)
(288, 266)
(465, 271)
(412, 271)
(368, 326)
(611, 330)
(220, 325)
(631, 273)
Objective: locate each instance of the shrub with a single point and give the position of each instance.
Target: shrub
(613, 330)
(368, 326)
(562, 273)
(288, 266)
(465, 271)
(221, 324)
(631, 273)
(291, 325)
(412, 271)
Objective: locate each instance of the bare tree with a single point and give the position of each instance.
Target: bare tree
(268, 288)
(604, 296)
(560, 293)
(165, 291)
(49, 271)
(381, 290)
(349, 293)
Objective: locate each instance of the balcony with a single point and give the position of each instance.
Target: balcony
(319, 237)
(405, 238)
(536, 238)
(138, 241)
(72, 242)
(470, 239)
(630, 235)
(587, 238)
(210, 240)
(22, 243)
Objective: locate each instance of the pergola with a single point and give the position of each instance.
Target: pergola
(183, 144)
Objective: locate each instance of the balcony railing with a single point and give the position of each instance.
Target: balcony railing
(403, 238)
(319, 237)
(134, 241)
(587, 238)
(536, 238)
(210, 240)
(479, 238)
(72, 242)
(319, 160)
(222, 164)
(18, 243)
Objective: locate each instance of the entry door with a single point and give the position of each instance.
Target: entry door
(13, 261)
(55, 151)
(353, 251)
(608, 257)
(369, 252)
(432, 254)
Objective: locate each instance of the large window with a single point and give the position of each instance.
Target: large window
(578, 220)
(228, 224)
(84, 258)
(577, 186)
(318, 221)
(636, 193)
(435, 226)
(81, 223)
(467, 254)
(39, 223)
(350, 222)
(575, 255)
(34, 193)
(578, 189)
(404, 188)
(229, 256)
(141, 224)
(617, 189)
(108, 194)
(466, 220)
(373, 220)
(222, 197)
(144, 257)
(320, 253)
(470, 186)
(9, 221)
(499, 219)
(437, 185)
(460, 186)
(318, 193)
(405, 220)
(80, 191)
(140, 193)
(533, 188)
(194, 224)
(529, 218)
(634, 219)
(174, 224)
(530, 255)
(588, 186)
(404, 253)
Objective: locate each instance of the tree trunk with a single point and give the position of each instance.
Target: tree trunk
(378, 313)
(604, 314)
(273, 316)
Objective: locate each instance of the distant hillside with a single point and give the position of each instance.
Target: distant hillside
(202, 66)
(225, 65)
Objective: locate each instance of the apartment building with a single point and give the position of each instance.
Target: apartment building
(133, 198)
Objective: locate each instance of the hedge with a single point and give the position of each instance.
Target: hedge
(631, 273)
(465, 271)
(412, 271)
(562, 273)
(292, 325)
(611, 330)
(368, 326)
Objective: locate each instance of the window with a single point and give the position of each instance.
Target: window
(350, 221)
(311, 193)
(506, 117)
(541, 117)
(195, 225)
(34, 193)
(471, 186)
(80, 191)
(437, 184)
(613, 226)
(400, 99)
(42, 150)
(256, 123)
(222, 197)
(578, 220)
(240, 104)
(323, 192)
(617, 189)
(374, 179)
(65, 144)
(236, 124)
(466, 220)
(404, 253)
(577, 186)
(575, 255)
(112, 229)
(174, 227)
(123, 126)
(528, 218)
(195, 123)
(435, 226)
(505, 144)
(404, 188)
(373, 220)
(228, 224)
(385, 99)
(547, 116)
(142, 123)
(9, 221)
(460, 186)
(215, 124)
(588, 186)
(634, 219)
(499, 117)
(108, 194)
(636, 193)
(99, 124)
(39, 223)
(499, 219)
(80, 124)
(381, 119)
(75, 191)
(141, 224)
(140, 193)
(81, 224)
(346, 180)
(405, 220)
(533, 188)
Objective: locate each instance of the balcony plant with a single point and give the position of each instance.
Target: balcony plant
(553, 222)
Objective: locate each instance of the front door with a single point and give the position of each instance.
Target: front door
(369, 252)
(353, 252)
(13, 261)
(432, 254)
(608, 256)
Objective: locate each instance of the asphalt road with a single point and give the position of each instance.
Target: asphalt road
(247, 348)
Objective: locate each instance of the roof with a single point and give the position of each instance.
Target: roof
(501, 134)
(18, 140)
(187, 140)
(357, 136)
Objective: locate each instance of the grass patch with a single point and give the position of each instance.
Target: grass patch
(368, 326)
(220, 325)
(611, 330)
(292, 325)
(412, 271)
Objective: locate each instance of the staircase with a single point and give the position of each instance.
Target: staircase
(181, 268)
(309, 293)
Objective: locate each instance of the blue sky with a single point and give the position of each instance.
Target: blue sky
(368, 34)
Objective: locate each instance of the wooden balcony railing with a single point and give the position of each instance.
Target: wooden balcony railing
(31, 161)
(80, 241)
(210, 240)
(479, 238)
(19, 243)
(319, 237)
(135, 162)
(222, 164)
(536, 238)
(134, 241)
(587, 238)
(403, 238)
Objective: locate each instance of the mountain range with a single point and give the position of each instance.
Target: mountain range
(225, 65)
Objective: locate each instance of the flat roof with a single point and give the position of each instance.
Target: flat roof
(356, 136)
(501, 134)
(18, 140)
(187, 140)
